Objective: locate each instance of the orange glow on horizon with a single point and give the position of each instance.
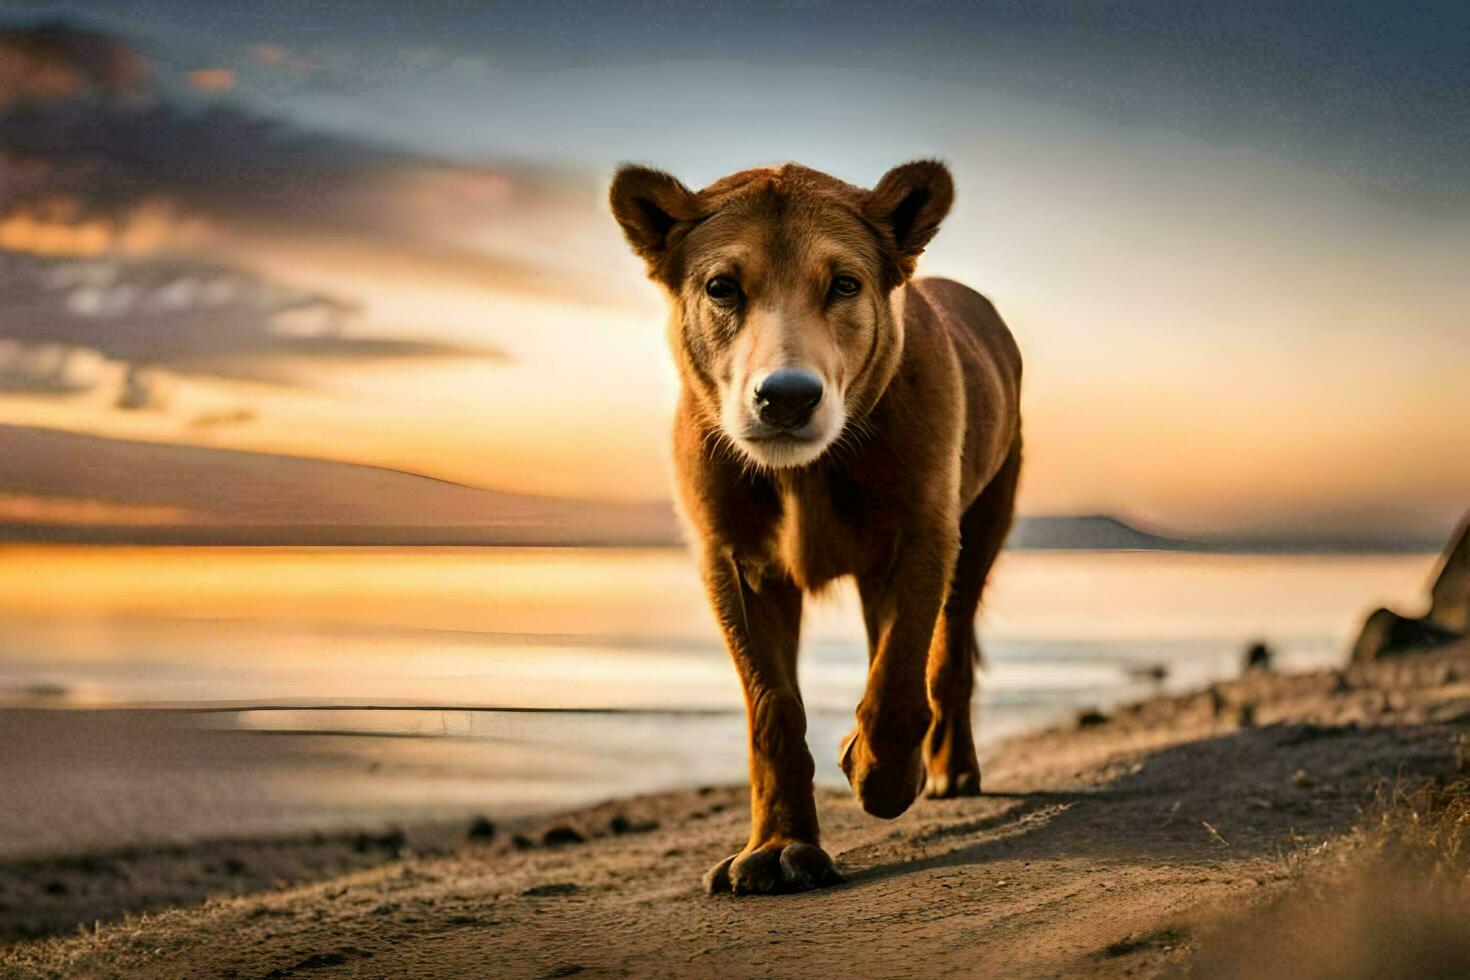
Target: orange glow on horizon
(29, 509)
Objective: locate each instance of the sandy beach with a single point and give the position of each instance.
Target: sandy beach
(1121, 845)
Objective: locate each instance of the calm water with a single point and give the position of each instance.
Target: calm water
(438, 632)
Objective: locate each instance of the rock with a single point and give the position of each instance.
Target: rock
(556, 888)
(1154, 673)
(481, 828)
(1258, 656)
(393, 840)
(1449, 598)
(1387, 633)
(562, 834)
(620, 825)
(1090, 718)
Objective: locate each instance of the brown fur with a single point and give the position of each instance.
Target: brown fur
(904, 478)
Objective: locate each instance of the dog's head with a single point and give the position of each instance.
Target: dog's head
(782, 286)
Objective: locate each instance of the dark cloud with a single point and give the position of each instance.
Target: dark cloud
(1376, 92)
(105, 159)
(218, 161)
(56, 62)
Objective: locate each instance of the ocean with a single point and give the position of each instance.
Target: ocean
(413, 683)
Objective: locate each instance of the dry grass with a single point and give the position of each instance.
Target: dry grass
(1392, 900)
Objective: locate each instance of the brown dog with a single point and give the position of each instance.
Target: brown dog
(837, 417)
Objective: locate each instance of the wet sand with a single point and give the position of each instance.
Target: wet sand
(1103, 848)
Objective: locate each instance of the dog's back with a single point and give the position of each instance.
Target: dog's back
(946, 312)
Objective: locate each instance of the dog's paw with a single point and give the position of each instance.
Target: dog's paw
(946, 785)
(884, 786)
(774, 869)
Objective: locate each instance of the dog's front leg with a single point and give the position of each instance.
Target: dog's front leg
(882, 756)
(761, 622)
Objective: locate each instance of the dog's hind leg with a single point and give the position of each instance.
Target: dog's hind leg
(955, 652)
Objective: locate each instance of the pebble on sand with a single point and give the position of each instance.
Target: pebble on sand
(562, 834)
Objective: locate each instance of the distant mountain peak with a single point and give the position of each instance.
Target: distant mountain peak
(1090, 532)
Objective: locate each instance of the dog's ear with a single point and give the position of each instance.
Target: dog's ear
(648, 204)
(908, 204)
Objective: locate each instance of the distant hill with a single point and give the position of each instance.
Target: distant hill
(64, 486)
(1100, 532)
(1092, 532)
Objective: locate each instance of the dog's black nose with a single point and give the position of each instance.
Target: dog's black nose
(786, 398)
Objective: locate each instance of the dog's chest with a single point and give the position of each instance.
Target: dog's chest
(828, 528)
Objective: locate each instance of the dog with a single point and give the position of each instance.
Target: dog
(836, 417)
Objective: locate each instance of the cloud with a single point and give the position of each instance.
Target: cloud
(47, 369)
(111, 152)
(128, 228)
(85, 177)
(277, 56)
(55, 62)
(211, 79)
(67, 320)
(60, 227)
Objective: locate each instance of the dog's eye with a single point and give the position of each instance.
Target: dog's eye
(846, 286)
(722, 289)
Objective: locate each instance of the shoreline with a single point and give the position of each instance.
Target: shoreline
(305, 538)
(1145, 823)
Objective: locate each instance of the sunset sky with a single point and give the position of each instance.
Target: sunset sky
(1232, 239)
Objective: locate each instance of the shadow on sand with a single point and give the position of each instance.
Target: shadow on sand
(1248, 793)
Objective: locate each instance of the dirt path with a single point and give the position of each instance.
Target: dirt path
(1103, 849)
